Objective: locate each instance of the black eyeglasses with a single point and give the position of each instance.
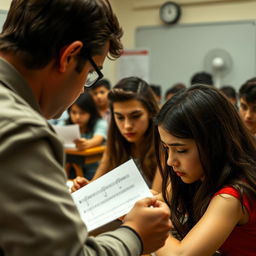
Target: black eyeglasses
(93, 76)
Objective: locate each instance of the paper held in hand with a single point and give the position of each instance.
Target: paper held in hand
(68, 133)
(111, 196)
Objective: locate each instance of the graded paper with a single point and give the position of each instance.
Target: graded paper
(111, 196)
(68, 134)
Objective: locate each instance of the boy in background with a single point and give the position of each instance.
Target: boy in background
(247, 104)
(99, 93)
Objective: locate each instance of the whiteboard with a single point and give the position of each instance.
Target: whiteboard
(3, 14)
(177, 52)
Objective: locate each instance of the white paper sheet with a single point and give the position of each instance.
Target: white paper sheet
(68, 134)
(111, 196)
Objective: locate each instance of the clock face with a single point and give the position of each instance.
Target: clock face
(170, 12)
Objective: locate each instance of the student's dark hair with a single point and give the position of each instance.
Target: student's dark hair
(37, 31)
(202, 78)
(174, 89)
(102, 82)
(226, 150)
(156, 89)
(229, 91)
(248, 90)
(132, 88)
(86, 103)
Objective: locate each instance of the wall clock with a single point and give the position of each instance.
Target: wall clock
(170, 12)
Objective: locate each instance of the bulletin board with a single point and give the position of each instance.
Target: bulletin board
(177, 52)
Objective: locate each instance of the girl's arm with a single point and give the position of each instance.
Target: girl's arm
(103, 167)
(222, 215)
(157, 186)
(100, 134)
(157, 182)
(82, 143)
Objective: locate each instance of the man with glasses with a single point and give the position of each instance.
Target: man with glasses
(48, 50)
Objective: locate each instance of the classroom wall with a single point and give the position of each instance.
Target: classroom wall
(5, 4)
(137, 13)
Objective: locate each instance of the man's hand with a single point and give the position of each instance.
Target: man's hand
(150, 219)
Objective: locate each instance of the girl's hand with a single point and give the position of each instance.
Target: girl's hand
(78, 183)
(81, 144)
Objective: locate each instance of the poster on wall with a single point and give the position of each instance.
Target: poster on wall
(134, 62)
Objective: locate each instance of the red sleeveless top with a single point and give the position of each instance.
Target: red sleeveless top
(242, 240)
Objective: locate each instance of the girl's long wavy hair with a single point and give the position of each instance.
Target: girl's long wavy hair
(119, 149)
(226, 149)
(86, 103)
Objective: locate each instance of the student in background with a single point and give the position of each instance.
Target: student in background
(247, 104)
(157, 92)
(50, 50)
(93, 128)
(202, 78)
(100, 96)
(61, 120)
(205, 151)
(130, 135)
(230, 92)
(173, 90)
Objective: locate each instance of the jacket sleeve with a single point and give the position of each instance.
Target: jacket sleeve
(38, 216)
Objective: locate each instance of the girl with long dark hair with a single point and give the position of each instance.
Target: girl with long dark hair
(207, 160)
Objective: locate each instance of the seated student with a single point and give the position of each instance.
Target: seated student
(158, 92)
(92, 127)
(205, 151)
(130, 135)
(247, 104)
(202, 78)
(230, 92)
(99, 92)
(174, 89)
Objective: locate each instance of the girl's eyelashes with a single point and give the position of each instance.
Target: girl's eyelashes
(181, 151)
(132, 117)
(136, 116)
(119, 117)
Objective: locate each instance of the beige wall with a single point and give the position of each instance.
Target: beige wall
(136, 13)
(5, 4)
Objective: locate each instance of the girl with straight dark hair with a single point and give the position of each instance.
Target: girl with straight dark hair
(130, 134)
(93, 128)
(207, 160)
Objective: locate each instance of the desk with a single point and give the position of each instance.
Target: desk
(75, 158)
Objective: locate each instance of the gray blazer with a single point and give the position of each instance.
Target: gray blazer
(37, 215)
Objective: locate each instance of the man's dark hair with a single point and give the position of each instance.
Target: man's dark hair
(37, 31)
(102, 82)
(202, 78)
(247, 90)
(229, 91)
